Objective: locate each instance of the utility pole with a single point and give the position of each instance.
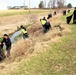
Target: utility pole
(29, 5)
(45, 3)
(24, 4)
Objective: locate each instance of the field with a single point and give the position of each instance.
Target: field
(19, 12)
(11, 19)
(53, 53)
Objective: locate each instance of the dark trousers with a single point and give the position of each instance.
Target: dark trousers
(2, 55)
(44, 29)
(25, 35)
(48, 27)
(74, 20)
(8, 50)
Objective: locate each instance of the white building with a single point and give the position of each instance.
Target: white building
(3, 6)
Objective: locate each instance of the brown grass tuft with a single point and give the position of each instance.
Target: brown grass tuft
(21, 48)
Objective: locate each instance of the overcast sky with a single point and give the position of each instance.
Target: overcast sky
(34, 3)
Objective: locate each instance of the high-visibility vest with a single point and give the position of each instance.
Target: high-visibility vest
(23, 31)
(43, 22)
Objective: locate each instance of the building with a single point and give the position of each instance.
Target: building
(3, 6)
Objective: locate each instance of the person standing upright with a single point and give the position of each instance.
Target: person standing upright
(74, 18)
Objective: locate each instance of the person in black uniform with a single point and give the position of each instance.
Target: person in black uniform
(7, 42)
(74, 18)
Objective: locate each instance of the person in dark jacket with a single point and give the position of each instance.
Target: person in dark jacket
(74, 18)
(64, 12)
(6, 40)
(54, 13)
(48, 25)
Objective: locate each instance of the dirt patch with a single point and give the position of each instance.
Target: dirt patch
(35, 30)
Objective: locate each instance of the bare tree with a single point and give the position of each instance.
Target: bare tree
(24, 3)
(52, 3)
(49, 5)
(45, 3)
(61, 3)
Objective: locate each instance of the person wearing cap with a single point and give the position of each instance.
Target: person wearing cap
(74, 18)
(6, 40)
(24, 32)
(43, 22)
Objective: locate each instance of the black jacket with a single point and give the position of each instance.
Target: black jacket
(74, 14)
(7, 42)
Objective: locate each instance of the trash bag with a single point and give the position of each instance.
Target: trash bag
(74, 21)
(68, 19)
(2, 55)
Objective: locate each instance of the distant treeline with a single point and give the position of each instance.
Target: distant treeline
(17, 7)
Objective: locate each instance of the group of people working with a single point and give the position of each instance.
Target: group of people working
(7, 42)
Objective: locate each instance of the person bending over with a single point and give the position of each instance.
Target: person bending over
(24, 32)
(6, 40)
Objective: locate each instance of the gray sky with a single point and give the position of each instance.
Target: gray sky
(34, 3)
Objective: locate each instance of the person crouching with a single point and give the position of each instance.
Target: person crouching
(43, 22)
(74, 18)
(24, 32)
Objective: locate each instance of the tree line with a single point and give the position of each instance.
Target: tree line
(55, 4)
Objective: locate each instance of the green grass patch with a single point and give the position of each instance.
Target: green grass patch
(58, 60)
(20, 12)
(0, 39)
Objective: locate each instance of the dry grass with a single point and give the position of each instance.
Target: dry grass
(20, 48)
(37, 43)
(9, 24)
